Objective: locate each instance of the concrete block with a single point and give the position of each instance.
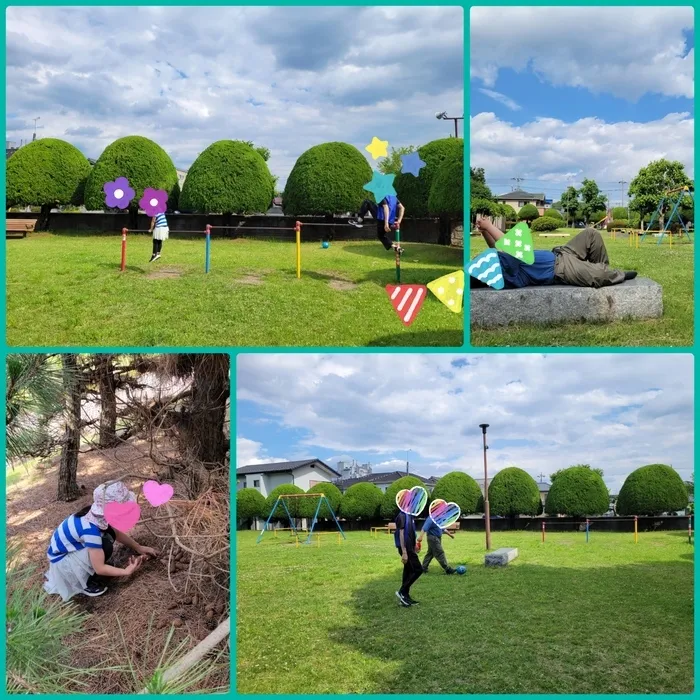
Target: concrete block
(501, 557)
(640, 298)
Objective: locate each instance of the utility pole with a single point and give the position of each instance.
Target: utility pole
(518, 180)
(36, 119)
(407, 451)
(487, 512)
(622, 184)
(541, 476)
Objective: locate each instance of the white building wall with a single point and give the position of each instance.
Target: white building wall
(306, 477)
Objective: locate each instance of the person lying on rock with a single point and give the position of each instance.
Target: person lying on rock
(582, 262)
(82, 545)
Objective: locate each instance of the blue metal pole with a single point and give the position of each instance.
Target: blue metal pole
(289, 515)
(334, 518)
(267, 522)
(313, 522)
(586, 530)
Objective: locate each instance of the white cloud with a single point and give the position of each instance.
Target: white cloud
(617, 412)
(252, 452)
(624, 51)
(503, 99)
(95, 74)
(555, 151)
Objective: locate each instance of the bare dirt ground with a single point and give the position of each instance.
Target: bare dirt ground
(163, 594)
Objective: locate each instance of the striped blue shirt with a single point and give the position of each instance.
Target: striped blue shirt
(161, 221)
(72, 535)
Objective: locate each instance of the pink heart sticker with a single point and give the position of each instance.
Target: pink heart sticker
(122, 516)
(157, 494)
(412, 501)
(443, 513)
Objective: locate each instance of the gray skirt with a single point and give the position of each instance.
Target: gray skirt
(161, 233)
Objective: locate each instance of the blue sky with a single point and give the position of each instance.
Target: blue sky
(283, 77)
(579, 92)
(616, 412)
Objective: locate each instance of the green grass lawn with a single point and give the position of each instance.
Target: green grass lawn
(68, 290)
(565, 617)
(672, 268)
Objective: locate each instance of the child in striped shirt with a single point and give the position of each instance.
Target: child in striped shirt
(83, 543)
(159, 228)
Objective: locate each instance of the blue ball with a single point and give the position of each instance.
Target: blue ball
(325, 244)
(461, 570)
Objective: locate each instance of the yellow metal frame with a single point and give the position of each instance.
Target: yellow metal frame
(374, 530)
(318, 536)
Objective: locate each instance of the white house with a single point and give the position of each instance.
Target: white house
(266, 477)
(383, 480)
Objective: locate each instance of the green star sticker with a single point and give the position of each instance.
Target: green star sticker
(518, 243)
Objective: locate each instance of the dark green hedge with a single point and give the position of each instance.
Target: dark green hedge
(361, 502)
(389, 509)
(545, 223)
(513, 492)
(250, 503)
(142, 161)
(414, 191)
(228, 177)
(327, 179)
(459, 488)
(652, 490)
(577, 491)
(553, 214)
(293, 504)
(528, 213)
(46, 172)
(309, 505)
(447, 190)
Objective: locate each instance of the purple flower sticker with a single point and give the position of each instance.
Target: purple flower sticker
(119, 193)
(154, 201)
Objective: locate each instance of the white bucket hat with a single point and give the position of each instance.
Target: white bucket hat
(103, 494)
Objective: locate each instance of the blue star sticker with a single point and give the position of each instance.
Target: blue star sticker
(380, 185)
(411, 163)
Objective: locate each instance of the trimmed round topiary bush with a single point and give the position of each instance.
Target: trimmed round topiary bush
(577, 492)
(545, 223)
(389, 509)
(143, 162)
(553, 214)
(413, 191)
(250, 503)
(361, 502)
(228, 177)
(513, 492)
(293, 504)
(327, 179)
(485, 207)
(309, 505)
(528, 213)
(617, 223)
(46, 173)
(459, 488)
(652, 490)
(447, 189)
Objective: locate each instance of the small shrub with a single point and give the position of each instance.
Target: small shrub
(528, 213)
(292, 504)
(577, 491)
(250, 503)
(513, 492)
(308, 506)
(619, 212)
(447, 190)
(458, 488)
(484, 207)
(617, 223)
(361, 502)
(553, 214)
(389, 510)
(652, 490)
(545, 223)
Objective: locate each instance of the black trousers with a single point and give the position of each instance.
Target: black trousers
(412, 571)
(108, 549)
(369, 207)
(157, 246)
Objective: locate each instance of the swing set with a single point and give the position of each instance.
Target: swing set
(282, 500)
(673, 199)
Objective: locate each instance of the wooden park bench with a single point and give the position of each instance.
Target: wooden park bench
(19, 228)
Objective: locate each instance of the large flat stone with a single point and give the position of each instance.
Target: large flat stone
(501, 557)
(560, 303)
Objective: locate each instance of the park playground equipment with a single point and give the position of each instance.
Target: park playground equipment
(281, 500)
(297, 229)
(673, 198)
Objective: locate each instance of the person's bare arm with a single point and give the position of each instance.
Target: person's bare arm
(153, 223)
(402, 209)
(386, 218)
(489, 230)
(97, 559)
(133, 544)
(404, 553)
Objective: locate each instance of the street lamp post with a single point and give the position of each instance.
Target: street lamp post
(36, 119)
(407, 451)
(443, 115)
(487, 514)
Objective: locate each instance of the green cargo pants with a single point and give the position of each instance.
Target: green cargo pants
(583, 262)
(435, 551)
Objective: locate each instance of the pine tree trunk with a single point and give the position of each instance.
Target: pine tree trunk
(68, 469)
(210, 391)
(108, 401)
(42, 223)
